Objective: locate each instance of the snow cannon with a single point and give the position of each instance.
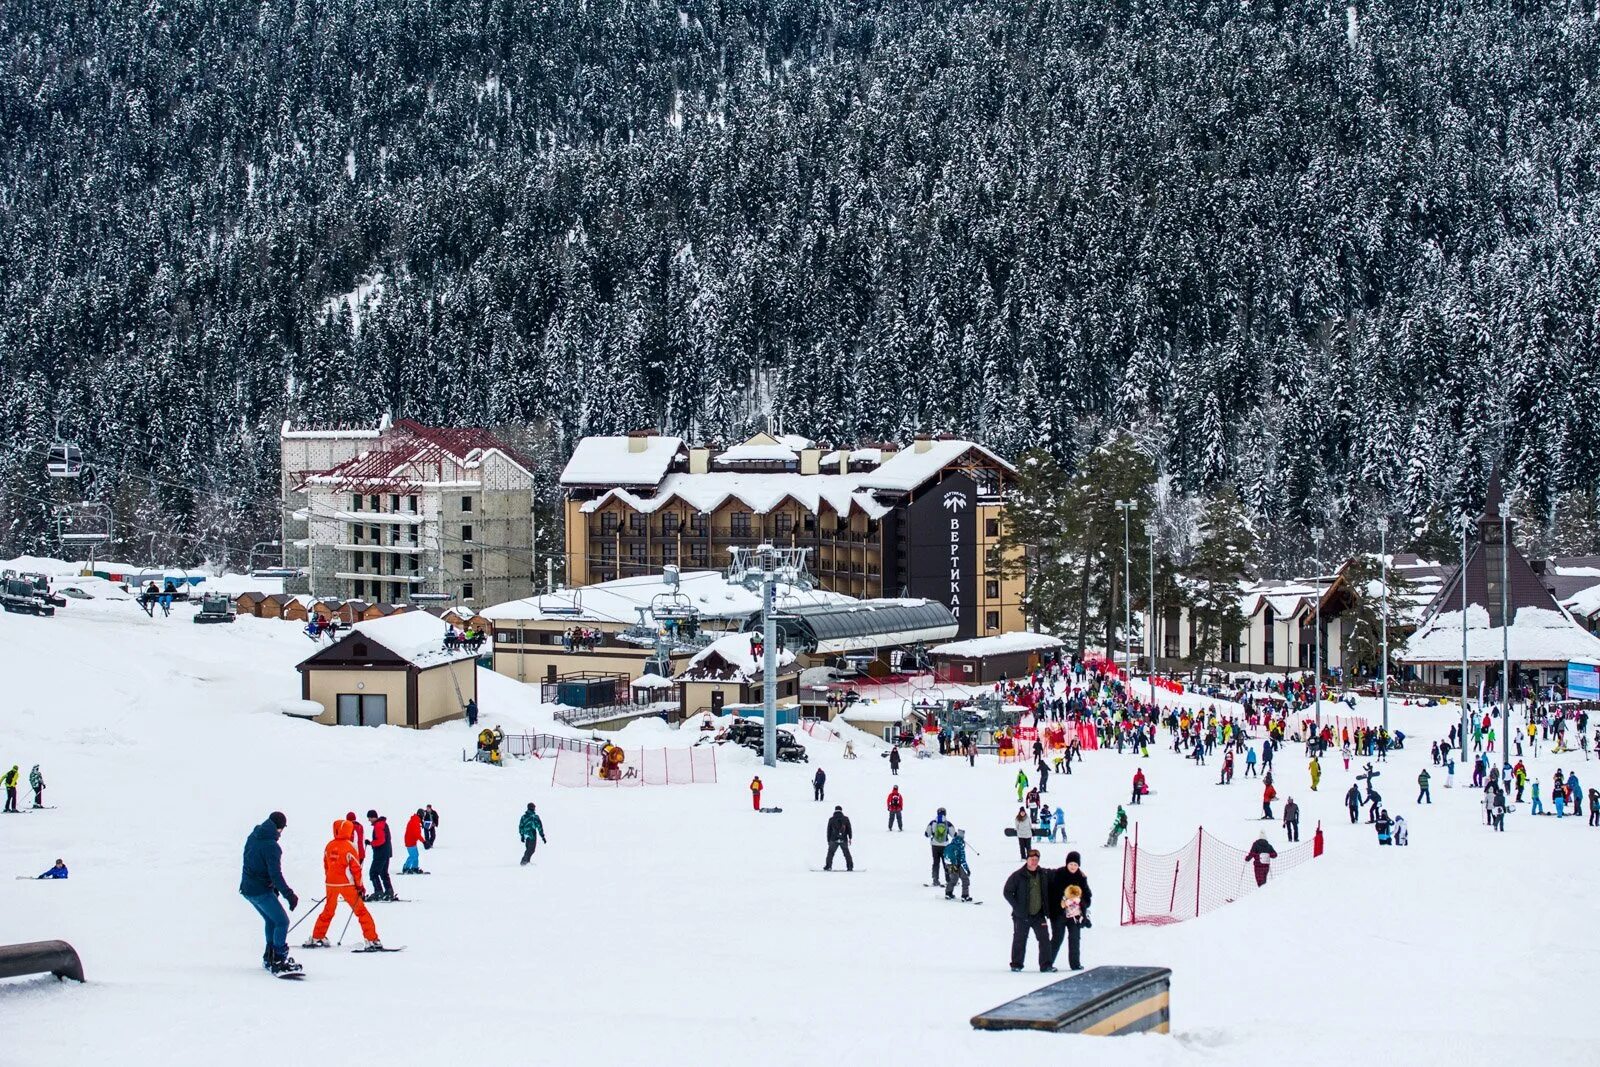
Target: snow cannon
(611, 758)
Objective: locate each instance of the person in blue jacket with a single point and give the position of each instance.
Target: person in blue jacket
(261, 883)
(58, 871)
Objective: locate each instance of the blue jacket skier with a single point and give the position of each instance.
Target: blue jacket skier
(58, 871)
(261, 883)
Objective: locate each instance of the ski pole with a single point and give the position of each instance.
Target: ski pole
(304, 917)
(346, 929)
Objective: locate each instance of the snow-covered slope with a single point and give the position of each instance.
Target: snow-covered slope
(672, 925)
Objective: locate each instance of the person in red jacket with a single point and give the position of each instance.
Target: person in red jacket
(341, 870)
(755, 793)
(1268, 795)
(897, 804)
(1139, 786)
(413, 864)
(361, 836)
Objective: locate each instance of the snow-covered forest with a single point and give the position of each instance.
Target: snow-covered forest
(1338, 257)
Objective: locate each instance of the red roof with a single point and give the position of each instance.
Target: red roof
(410, 453)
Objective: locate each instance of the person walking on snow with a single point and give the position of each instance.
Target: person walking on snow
(1291, 820)
(755, 793)
(818, 781)
(897, 807)
(1024, 831)
(894, 761)
(939, 833)
(1269, 793)
(341, 871)
(430, 826)
(1026, 891)
(531, 829)
(261, 883)
(1250, 762)
(1261, 854)
(382, 843)
(1422, 787)
(1022, 785)
(1058, 826)
(955, 867)
(413, 864)
(1227, 769)
(10, 782)
(1316, 773)
(839, 837)
(1538, 805)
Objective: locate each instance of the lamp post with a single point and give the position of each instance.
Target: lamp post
(1127, 507)
(1466, 524)
(1383, 564)
(763, 567)
(1505, 623)
(1150, 630)
(1316, 633)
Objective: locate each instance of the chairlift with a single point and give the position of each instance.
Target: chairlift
(66, 460)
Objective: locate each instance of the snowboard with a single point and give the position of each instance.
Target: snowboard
(386, 948)
(416, 872)
(292, 975)
(836, 870)
(396, 900)
(770, 811)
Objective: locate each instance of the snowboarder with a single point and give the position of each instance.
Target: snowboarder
(955, 867)
(261, 883)
(341, 872)
(413, 838)
(839, 837)
(894, 761)
(1261, 855)
(1028, 891)
(1066, 923)
(818, 782)
(939, 833)
(430, 826)
(531, 830)
(10, 782)
(1140, 788)
(58, 871)
(36, 783)
(1119, 825)
(382, 848)
(1383, 826)
(755, 793)
(897, 805)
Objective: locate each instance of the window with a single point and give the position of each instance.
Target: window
(669, 522)
(669, 552)
(394, 502)
(697, 522)
(991, 589)
(372, 502)
(991, 527)
(466, 504)
(785, 523)
(466, 533)
(466, 561)
(697, 554)
(991, 620)
(741, 523)
(636, 522)
(608, 522)
(608, 551)
(411, 504)
(466, 591)
(636, 553)
(355, 502)
(809, 524)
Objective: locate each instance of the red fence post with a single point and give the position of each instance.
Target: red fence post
(1199, 847)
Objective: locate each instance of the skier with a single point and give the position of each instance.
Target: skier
(261, 883)
(1227, 769)
(1594, 806)
(341, 871)
(531, 830)
(1538, 805)
(1291, 820)
(1028, 891)
(1058, 826)
(1250, 762)
(382, 849)
(956, 869)
(1139, 786)
(1316, 773)
(894, 761)
(1352, 800)
(413, 838)
(361, 836)
(10, 782)
(1119, 825)
(1269, 793)
(939, 833)
(839, 839)
(1261, 853)
(1024, 830)
(58, 871)
(1064, 924)
(1044, 776)
(897, 804)
(36, 783)
(755, 793)
(818, 781)
(1022, 785)
(1575, 791)
(430, 826)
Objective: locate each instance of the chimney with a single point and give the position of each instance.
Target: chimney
(699, 459)
(639, 440)
(922, 443)
(810, 460)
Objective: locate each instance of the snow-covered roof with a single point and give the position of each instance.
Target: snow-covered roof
(748, 453)
(873, 711)
(1536, 635)
(761, 493)
(1584, 603)
(873, 456)
(910, 467)
(997, 645)
(652, 681)
(414, 636)
(734, 649)
(611, 461)
(618, 601)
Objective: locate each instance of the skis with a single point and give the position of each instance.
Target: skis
(833, 870)
(383, 948)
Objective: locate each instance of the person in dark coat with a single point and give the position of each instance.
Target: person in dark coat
(430, 826)
(894, 761)
(839, 836)
(261, 883)
(1028, 893)
(1060, 928)
(1261, 855)
(1291, 820)
(381, 845)
(819, 782)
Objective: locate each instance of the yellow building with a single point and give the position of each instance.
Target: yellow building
(391, 671)
(880, 521)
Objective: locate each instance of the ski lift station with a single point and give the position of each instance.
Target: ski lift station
(392, 671)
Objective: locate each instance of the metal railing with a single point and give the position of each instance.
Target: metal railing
(526, 746)
(585, 716)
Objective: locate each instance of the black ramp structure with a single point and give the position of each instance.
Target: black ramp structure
(41, 957)
(1104, 1001)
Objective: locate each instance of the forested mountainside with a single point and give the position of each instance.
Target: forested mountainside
(1339, 257)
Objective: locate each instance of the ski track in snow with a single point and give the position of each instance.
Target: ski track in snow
(670, 925)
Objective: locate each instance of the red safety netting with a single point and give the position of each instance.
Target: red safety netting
(1202, 876)
(820, 729)
(651, 766)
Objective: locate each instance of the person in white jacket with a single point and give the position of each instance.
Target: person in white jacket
(1024, 832)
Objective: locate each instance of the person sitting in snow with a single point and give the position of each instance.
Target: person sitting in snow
(58, 871)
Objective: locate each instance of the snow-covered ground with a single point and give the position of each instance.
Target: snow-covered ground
(673, 925)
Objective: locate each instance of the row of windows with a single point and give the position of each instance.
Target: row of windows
(740, 526)
(374, 502)
(379, 591)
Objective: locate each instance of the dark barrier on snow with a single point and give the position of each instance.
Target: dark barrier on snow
(38, 957)
(1105, 1001)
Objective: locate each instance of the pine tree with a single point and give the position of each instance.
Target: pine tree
(1223, 559)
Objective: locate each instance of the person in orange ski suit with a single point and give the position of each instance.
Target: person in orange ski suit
(341, 868)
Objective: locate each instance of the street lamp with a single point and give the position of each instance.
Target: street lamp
(1150, 630)
(1127, 507)
(1316, 634)
(1505, 623)
(762, 568)
(1466, 524)
(1383, 563)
